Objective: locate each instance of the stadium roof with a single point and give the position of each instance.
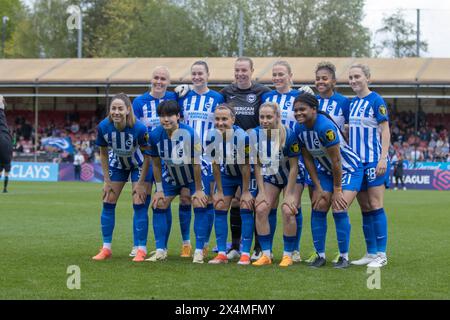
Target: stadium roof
(16, 72)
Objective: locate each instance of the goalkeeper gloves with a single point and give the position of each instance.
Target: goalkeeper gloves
(182, 90)
(307, 89)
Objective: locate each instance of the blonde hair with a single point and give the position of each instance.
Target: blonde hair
(130, 118)
(364, 68)
(287, 66)
(276, 109)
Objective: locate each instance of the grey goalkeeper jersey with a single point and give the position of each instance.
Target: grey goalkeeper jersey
(246, 103)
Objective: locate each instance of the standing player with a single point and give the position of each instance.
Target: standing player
(197, 111)
(180, 150)
(246, 96)
(284, 96)
(336, 174)
(5, 145)
(145, 109)
(231, 168)
(330, 102)
(278, 152)
(124, 137)
(370, 138)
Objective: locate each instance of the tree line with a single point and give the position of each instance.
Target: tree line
(183, 28)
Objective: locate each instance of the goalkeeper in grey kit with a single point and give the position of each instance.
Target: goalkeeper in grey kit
(246, 97)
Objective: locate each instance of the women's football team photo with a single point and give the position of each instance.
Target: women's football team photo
(240, 159)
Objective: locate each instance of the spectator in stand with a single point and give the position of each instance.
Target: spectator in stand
(416, 155)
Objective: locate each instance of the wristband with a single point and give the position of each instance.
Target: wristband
(159, 187)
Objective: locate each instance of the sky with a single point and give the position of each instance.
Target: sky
(434, 21)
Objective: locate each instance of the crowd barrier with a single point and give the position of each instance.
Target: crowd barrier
(425, 175)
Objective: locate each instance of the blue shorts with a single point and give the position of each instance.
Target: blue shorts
(123, 175)
(371, 179)
(174, 190)
(302, 175)
(299, 180)
(308, 180)
(351, 181)
(230, 185)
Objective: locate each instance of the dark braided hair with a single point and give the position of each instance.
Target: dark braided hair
(312, 101)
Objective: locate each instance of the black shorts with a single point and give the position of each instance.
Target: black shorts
(5, 153)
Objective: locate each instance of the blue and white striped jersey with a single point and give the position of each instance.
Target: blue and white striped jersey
(365, 135)
(321, 136)
(178, 153)
(124, 146)
(275, 160)
(230, 151)
(198, 111)
(286, 103)
(145, 108)
(337, 106)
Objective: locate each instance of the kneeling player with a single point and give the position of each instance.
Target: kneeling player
(337, 177)
(231, 169)
(178, 147)
(278, 152)
(124, 137)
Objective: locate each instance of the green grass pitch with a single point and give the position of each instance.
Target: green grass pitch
(46, 227)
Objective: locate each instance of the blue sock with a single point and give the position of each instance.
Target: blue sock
(160, 227)
(273, 225)
(107, 220)
(200, 227)
(169, 224)
(248, 225)
(369, 232)
(135, 236)
(298, 235)
(343, 228)
(210, 217)
(140, 212)
(289, 243)
(147, 202)
(221, 229)
(185, 221)
(264, 241)
(380, 227)
(319, 230)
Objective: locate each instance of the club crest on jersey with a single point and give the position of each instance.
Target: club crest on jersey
(361, 110)
(251, 98)
(146, 137)
(128, 143)
(330, 135)
(316, 142)
(295, 148)
(382, 110)
(330, 107)
(287, 105)
(208, 105)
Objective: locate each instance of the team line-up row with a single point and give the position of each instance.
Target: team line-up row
(188, 143)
